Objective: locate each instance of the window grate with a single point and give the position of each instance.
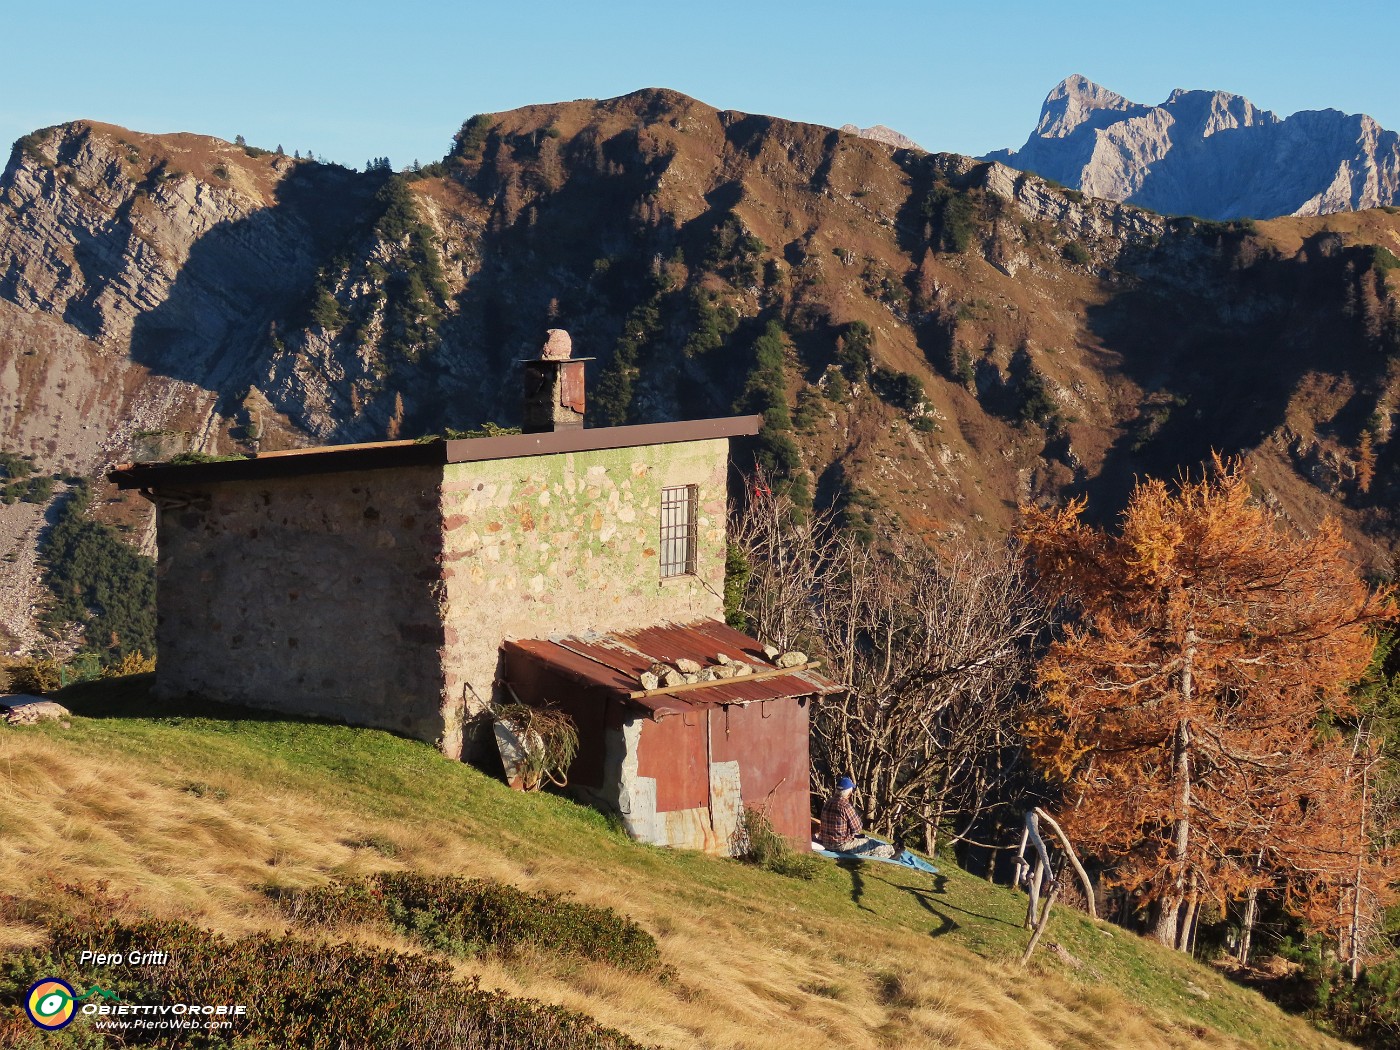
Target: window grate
(678, 540)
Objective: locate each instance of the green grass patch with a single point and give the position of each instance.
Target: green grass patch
(466, 917)
(387, 782)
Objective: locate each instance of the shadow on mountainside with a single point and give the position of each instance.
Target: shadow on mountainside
(241, 277)
(1220, 359)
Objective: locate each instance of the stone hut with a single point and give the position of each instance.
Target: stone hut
(403, 584)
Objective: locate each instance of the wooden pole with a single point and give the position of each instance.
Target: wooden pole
(1073, 859)
(1033, 905)
(1044, 921)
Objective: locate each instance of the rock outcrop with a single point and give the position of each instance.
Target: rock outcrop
(1210, 154)
(880, 133)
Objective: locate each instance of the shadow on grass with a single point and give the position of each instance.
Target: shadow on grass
(926, 898)
(857, 880)
(933, 901)
(130, 699)
(131, 696)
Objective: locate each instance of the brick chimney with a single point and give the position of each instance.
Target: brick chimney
(554, 397)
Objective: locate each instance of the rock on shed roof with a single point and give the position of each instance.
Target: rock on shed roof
(615, 662)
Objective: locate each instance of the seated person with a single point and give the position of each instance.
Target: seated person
(841, 826)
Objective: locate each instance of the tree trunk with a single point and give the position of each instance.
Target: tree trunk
(1251, 912)
(1074, 861)
(1041, 924)
(1186, 936)
(1355, 946)
(1042, 864)
(938, 816)
(1022, 868)
(1033, 905)
(1164, 927)
(1168, 917)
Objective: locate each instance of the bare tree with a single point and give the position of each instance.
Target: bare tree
(931, 646)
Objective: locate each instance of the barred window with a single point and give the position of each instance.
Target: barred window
(678, 530)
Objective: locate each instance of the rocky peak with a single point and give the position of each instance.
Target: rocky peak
(880, 133)
(1206, 112)
(96, 221)
(1076, 101)
(1209, 153)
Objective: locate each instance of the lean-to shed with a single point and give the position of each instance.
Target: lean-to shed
(679, 761)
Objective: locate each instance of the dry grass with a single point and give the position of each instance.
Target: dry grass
(192, 818)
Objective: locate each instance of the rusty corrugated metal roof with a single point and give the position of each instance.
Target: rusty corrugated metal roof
(614, 662)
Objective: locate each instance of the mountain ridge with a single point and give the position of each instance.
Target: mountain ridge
(958, 337)
(1209, 153)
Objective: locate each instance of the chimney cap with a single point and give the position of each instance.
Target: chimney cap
(557, 346)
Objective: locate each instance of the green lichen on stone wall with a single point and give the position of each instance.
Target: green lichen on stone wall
(545, 545)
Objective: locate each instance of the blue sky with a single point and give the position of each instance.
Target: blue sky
(352, 79)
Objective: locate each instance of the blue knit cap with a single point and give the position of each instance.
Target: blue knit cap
(845, 784)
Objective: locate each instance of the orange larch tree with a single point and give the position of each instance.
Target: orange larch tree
(1206, 645)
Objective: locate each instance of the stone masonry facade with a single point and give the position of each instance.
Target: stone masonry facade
(551, 545)
(381, 597)
(310, 595)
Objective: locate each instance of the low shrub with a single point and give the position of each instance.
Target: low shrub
(1382, 258)
(899, 389)
(834, 385)
(964, 371)
(199, 789)
(809, 409)
(44, 674)
(1076, 253)
(755, 842)
(1366, 1011)
(21, 482)
(334, 905)
(467, 917)
(30, 146)
(381, 844)
(35, 677)
(16, 466)
(134, 662)
(298, 994)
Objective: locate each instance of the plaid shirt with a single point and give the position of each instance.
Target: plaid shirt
(839, 821)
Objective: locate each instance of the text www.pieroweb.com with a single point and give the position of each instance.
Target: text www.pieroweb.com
(165, 1017)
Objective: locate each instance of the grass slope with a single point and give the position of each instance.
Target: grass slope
(192, 816)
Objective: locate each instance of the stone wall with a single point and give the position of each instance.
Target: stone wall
(382, 597)
(316, 595)
(550, 545)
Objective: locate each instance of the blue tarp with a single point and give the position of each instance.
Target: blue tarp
(904, 860)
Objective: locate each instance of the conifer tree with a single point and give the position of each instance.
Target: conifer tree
(1182, 705)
